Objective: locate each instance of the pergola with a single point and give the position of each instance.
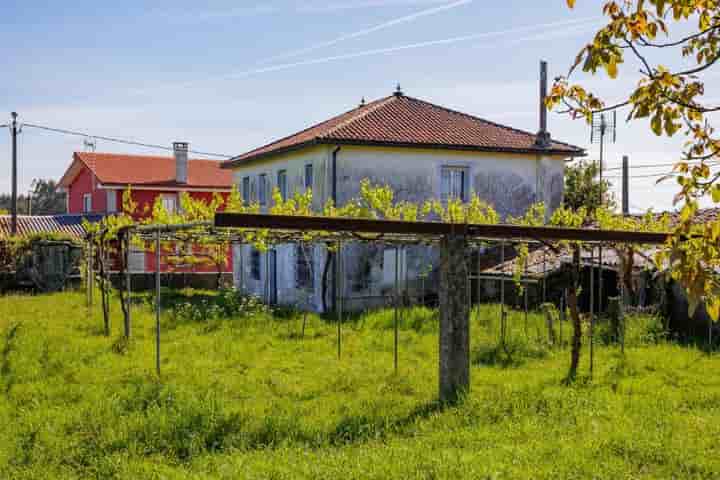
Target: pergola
(453, 240)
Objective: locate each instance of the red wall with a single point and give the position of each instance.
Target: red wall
(85, 183)
(145, 199)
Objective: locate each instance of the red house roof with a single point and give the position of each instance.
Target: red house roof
(149, 171)
(404, 121)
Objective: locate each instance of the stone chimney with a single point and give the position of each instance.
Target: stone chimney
(543, 136)
(180, 149)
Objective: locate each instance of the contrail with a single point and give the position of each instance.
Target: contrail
(369, 30)
(576, 25)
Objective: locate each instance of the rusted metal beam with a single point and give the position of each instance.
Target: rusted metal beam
(508, 232)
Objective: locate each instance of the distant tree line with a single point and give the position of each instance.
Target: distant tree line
(45, 199)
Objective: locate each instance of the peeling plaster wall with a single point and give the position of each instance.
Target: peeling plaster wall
(511, 183)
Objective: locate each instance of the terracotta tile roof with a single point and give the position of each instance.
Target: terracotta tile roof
(71, 225)
(145, 170)
(399, 120)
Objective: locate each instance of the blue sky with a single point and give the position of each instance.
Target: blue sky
(228, 76)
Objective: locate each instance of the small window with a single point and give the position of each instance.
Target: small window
(87, 203)
(255, 264)
(246, 190)
(303, 266)
(169, 202)
(262, 189)
(453, 183)
(282, 183)
(308, 176)
(111, 201)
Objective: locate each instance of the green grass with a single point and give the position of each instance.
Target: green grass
(248, 398)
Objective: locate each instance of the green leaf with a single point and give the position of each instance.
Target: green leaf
(716, 194)
(656, 124)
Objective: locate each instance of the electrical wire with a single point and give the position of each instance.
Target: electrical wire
(120, 140)
(658, 165)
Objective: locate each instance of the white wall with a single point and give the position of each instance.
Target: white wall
(509, 182)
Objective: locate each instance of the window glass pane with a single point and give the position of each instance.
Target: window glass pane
(308, 176)
(282, 183)
(169, 203)
(452, 183)
(255, 264)
(111, 201)
(262, 189)
(303, 266)
(246, 190)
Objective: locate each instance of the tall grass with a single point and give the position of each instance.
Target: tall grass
(247, 397)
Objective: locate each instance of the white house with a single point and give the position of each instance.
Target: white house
(423, 151)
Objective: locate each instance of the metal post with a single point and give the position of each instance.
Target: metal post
(592, 308)
(338, 299)
(544, 282)
(242, 269)
(91, 277)
(397, 304)
(477, 289)
(502, 294)
(625, 185)
(157, 302)
(13, 198)
(525, 294)
(600, 280)
(128, 284)
(563, 306)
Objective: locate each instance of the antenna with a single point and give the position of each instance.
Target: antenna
(90, 144)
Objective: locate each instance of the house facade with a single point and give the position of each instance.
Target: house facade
(95, 183)
(423, 151)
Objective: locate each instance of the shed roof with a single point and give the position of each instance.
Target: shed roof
(27, 225)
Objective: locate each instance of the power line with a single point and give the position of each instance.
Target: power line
(659, 165)
(121, 140)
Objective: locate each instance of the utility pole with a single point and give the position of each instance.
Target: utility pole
(625, 185)
(13, 200)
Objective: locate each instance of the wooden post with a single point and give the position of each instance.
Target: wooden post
(615, 313)
(454, 319)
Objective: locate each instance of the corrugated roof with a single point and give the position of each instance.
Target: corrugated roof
(399, 120)
(146, 170)
(28, 225)
(543, 261)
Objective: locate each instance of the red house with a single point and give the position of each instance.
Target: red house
(95, 183)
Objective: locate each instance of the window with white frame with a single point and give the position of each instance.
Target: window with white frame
(169, 202)
(246, 190)
(308, 176)
(453, 183)
(262, 189)
(282, 183)
(112, 201)
(87, 203)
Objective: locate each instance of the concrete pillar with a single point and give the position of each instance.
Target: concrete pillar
(454, 319)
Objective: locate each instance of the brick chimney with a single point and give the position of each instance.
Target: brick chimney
(180, 149)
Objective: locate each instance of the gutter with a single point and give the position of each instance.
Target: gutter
(334, 174)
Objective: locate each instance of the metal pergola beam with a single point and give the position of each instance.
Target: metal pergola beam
(395, 227)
